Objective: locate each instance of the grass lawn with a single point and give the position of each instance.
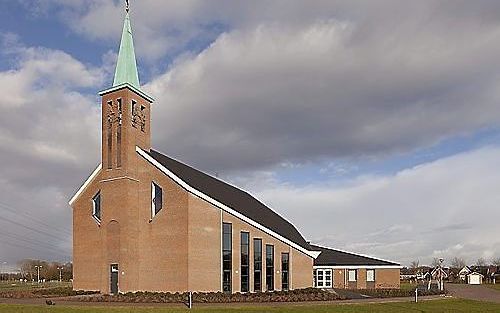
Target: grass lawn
(448, 305)
(408, 286)
(15, 285)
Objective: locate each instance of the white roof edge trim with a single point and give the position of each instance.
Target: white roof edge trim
(354, 267)
(355, 253)
(118, 87)
(85, 184)
(196, 192)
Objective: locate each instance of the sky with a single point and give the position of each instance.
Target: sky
(373, 127)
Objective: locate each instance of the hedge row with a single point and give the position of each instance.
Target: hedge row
(391, 293)
(45, 293)
(299, 295)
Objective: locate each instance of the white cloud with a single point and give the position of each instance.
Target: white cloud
(444, 208)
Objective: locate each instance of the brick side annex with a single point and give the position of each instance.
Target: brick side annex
(146, 222)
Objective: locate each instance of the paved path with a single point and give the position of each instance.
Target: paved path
(474, 292)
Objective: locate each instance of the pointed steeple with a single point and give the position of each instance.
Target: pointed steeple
(126, 75)
(126, 67)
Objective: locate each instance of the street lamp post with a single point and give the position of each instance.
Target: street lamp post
(38, 267)
(2, 270)
(60, 273)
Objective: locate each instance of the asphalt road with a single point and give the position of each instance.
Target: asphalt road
(474, 292)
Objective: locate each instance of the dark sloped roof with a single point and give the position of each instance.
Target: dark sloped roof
(235, 198)
(335, 257)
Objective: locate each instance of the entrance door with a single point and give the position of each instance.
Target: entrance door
(324, 278)
(114, 279)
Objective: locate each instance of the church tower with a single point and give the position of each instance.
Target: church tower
(126, 112)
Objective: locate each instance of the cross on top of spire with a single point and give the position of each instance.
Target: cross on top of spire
(127, 5)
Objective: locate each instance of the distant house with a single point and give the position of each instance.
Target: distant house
(475, 278)
(424, 273)
(339, 269)
(493, 273)
(464, 272)
(407, 274)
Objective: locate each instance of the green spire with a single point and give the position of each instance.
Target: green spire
(126, 67)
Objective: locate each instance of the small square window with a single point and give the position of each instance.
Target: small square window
(96, 206)
(156, 199)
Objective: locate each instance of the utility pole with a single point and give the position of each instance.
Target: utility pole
(60, 273)
(38, 267)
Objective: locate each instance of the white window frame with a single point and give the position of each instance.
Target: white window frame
(373, 275)
(324, 282)
(98, 219)
(153, 194)
(349, 271)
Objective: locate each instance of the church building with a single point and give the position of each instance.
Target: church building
(143, 221)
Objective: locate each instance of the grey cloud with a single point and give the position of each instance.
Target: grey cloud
(275, 93)
(452, 227)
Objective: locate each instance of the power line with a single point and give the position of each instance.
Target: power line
(39, 221)
(45, 245)
(27, 247)
(28, 227)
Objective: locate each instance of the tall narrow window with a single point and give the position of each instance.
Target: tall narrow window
(109, 134)
(119, 135)
(270, 267)
(96, 207)
(134, 115)
(245, 262)
(285, 265)
(352, 275)
(227, 253)
(156, 199)
(370, 275)
(257, 264)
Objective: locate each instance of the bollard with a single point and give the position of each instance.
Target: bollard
(190, 299)
(416, 295)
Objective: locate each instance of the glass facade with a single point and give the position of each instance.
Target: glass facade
(257, 264)
(227, 253)
(245, 262)
(285, 266)
(269, 267)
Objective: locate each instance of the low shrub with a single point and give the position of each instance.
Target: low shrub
(45, 293)
(62, 292)
(18, 294)
(299, 295)
(391, 293)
